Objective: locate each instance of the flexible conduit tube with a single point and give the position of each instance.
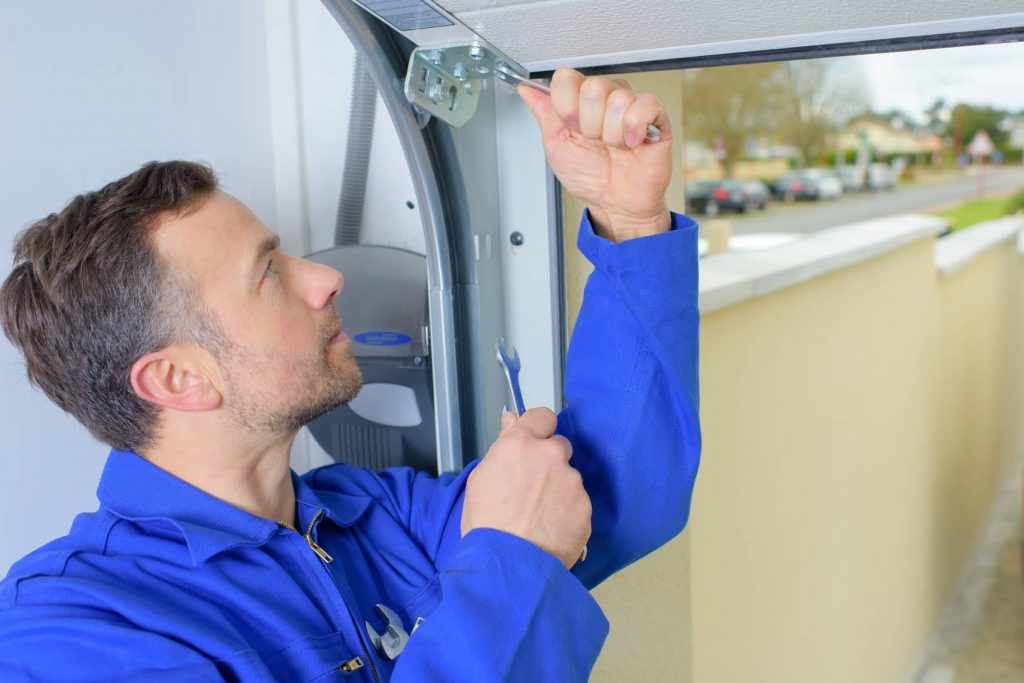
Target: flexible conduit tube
(348, 225)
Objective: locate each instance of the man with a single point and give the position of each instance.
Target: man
(162, 314)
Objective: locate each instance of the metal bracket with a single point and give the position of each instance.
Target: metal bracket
(447, 81)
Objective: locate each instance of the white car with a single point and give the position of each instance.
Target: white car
(821, 184)
(881, 177)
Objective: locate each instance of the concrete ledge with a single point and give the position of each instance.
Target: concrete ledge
(957, 250)
(728, 279)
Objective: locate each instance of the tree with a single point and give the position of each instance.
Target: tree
(815, 98)
(970, 120)
(726, 105)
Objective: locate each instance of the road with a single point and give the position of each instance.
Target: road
(805, 217)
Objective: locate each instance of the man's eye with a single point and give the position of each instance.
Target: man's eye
(269, 272)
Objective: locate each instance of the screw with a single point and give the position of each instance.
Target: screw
(437, 93)
(476, 52)
(516, 238)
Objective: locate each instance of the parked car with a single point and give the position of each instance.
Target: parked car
(711, 197)
(788, 187)
(881, 177)
(852, 178)
(758, 193)
(821, 184)
(810, 183)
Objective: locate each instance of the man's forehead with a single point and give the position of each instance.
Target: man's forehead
(214, 240)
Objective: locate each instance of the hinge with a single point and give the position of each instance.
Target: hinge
(446, 81)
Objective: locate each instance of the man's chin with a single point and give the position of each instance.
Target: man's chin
(348, 387)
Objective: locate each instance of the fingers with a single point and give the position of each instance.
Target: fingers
(646, 108)
(540, 106)
(508, 421)
(539, 422)
(620, 101)
(560, 448)
(603, 109)
(565, 96)
(594, 94)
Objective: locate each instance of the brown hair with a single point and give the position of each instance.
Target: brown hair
(89, 295)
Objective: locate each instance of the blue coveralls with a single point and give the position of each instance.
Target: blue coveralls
(167, 583)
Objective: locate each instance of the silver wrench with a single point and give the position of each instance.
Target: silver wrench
(503, 73)
(511, 366)
(390, 643)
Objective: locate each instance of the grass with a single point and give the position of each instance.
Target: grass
(975, 211)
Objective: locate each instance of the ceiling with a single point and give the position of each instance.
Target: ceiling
(545, 34)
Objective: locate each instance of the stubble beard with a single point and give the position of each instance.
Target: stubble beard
(325, 385)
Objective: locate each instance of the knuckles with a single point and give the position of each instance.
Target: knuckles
(620, 99)
(596, 88)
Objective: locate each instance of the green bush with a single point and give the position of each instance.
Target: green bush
(1016, 202)
(1011, 155)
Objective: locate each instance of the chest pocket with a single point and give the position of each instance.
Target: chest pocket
(314, 658)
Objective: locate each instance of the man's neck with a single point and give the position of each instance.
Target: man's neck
(251, 472)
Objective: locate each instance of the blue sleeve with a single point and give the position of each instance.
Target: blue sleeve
(511, 613)
(84, 644)
(632, 393)
(632, 417)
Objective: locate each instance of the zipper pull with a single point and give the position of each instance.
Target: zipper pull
(353, 664)
(320, 552)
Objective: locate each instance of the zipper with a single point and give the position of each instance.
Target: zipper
(320, 552)
(325, 557)
(353, 664)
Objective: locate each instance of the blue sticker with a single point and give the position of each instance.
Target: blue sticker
(383, 338)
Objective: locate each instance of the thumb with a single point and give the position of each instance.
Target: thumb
(508, 421)
(539, 105)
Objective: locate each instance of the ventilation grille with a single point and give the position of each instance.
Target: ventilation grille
(369, 446)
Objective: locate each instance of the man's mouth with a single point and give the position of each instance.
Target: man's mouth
(337, 337)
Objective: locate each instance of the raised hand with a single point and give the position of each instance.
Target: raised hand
(594, 131)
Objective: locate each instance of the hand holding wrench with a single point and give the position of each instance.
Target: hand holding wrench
(511, 365)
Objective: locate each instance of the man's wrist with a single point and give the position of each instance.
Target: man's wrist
(618, 227)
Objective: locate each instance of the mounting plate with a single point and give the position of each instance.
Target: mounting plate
(446, 81)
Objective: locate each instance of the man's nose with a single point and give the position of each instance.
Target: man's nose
(324, 284)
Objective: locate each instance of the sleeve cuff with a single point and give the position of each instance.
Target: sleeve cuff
(542, 568)
(680, 241)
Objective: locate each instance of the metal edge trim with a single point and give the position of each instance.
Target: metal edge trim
(369, 36)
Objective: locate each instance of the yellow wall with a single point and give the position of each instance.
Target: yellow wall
(854, 428)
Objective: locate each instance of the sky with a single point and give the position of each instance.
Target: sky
(979, 74)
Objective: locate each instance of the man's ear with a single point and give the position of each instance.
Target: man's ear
(171, 380)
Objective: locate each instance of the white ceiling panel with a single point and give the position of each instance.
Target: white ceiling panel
(543, 34)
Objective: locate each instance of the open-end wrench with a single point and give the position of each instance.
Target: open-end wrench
(390, 643)
(511, 366)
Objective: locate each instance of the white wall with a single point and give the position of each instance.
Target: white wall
(325, 63)
(92, 90)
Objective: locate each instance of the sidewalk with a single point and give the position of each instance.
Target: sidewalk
(981, 636)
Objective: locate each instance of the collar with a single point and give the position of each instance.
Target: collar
(133, 488)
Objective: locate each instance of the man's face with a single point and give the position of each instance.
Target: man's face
(283, 359)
